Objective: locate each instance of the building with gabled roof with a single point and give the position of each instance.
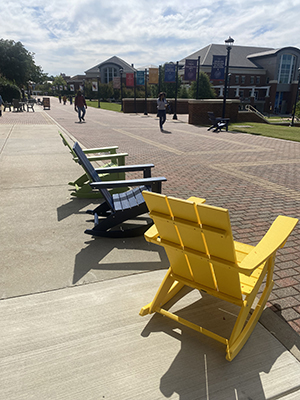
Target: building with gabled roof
(109, 69)
(264, 77)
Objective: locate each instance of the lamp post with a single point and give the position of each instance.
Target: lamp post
(229, 43)
(121, 87)
(296, 98)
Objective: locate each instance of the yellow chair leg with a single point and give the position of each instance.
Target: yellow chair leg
(167, 290)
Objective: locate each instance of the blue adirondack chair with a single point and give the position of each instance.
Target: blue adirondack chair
(117, 209)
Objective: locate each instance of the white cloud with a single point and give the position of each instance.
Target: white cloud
(71, 36)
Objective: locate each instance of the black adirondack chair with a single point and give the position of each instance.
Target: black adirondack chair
(111, 215)
(218, 123)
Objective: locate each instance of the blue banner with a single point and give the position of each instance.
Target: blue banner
(140, 78)
(169, 73)
(218, 68)
(190, 70)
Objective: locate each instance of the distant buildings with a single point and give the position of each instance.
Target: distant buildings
(266, 78)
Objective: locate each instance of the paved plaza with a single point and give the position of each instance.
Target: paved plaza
(70, 302)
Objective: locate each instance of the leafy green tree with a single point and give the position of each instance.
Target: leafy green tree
(9, 90)
(206, 90)
(17, 64)
(183, 94)
(297, 112)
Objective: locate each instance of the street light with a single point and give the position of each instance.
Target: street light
(296, 98)
(229, 43)
(121, 87)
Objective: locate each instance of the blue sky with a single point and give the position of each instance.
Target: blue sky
(71, 36)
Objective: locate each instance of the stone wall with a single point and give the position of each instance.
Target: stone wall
(129, 106)
(198, 110)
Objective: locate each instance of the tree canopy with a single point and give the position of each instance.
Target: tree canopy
(17, 64)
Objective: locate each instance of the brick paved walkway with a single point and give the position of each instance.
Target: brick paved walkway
(256, 178)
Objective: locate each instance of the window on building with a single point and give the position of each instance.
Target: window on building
(237, 79)
(243, 79)
(241, 93)
(109, 74)
(252, 80)
(286, 68)
(258, 80)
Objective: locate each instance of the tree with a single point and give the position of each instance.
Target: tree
(17, 64)
(206, 90)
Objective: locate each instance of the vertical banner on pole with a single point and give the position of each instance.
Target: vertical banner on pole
(130, 79)
(190, 70)
(95, 86)
(153, 75)
(140, 78)
(72, 88)
(170, 73)
(218, 68)
(117, 82)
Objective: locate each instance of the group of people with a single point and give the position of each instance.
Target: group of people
(80, 107)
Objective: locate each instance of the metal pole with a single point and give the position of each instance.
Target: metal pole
(145, 112)
(121, 76)
(198, 77)
(226, 79)
(134, 80)
(98, 83)
(296, 98)
(176, 89)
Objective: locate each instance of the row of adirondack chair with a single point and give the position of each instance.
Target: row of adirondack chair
(197, 239)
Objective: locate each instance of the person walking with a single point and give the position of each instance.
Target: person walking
(80, 106)
(1, 102)
(161, 109)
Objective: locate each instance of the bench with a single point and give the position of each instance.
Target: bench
(218, 123)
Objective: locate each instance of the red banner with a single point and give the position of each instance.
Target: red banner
(130, 79)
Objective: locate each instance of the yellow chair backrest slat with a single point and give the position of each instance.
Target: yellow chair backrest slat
(205, 233)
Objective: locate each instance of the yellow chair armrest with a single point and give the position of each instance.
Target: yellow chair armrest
(275, 238)
(196, 200)
(152, 235)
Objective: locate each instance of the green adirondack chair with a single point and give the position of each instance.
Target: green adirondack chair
(109, 158)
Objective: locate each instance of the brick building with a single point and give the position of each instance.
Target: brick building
(263, 77)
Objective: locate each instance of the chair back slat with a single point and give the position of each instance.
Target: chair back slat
(198, 242)
(160, 212)
(92, 174)
(216, 228)
(187, 222)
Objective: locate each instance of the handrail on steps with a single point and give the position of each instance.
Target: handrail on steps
(250, 108)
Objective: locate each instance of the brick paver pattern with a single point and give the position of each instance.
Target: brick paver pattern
(256, 178)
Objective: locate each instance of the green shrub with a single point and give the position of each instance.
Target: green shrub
(9, 90)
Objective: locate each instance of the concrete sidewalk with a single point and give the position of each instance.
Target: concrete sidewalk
(69, 312)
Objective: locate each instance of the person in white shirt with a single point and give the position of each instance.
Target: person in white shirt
(161, 109)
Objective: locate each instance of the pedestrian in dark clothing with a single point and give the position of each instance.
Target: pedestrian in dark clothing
(80, 105)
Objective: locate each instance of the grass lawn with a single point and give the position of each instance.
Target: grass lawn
(275, 131)
(104, 105)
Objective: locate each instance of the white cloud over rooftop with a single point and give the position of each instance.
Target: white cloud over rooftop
(71, 36)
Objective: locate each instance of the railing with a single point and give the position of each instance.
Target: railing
(250, 108)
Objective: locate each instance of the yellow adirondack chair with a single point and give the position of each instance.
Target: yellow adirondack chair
(203, 255)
